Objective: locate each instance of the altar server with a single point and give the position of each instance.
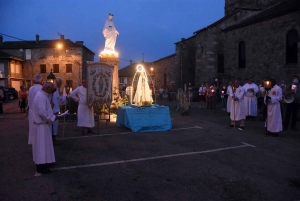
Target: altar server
(43, 117)
(229, 100)
(85, 115)
(274, 120)
(37, 86)
(250, 99)
(57, 100)
(237, 112)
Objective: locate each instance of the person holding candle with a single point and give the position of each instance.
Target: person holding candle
(224, 97)
(229, 91)
(202, 92)
(272, 100)
(250, 99)
(237, 112)
(292, 108)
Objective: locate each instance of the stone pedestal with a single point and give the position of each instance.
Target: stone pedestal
(112, 59)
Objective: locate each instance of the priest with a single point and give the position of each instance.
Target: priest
(36, 87)
(85, 115)
(274, 120)
(250, 99)
(57, 99)
(237, 112)
(43, 117)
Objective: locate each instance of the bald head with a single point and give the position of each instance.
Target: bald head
(49, 88)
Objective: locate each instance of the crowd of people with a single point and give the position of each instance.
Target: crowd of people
(242, 102)
(44, 101)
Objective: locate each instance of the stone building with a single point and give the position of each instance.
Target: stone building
(67, 61)
(255, 38)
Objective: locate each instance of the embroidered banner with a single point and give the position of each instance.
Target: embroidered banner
(99, 90)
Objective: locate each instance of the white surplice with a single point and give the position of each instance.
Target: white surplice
(237, 111)
(85, 115)
(42, 114)
(229, 101)
(57, 100)
(31, 94)
(250, 99)
(274, 120)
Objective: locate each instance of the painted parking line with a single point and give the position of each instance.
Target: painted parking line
(155, 157)
(125, 133)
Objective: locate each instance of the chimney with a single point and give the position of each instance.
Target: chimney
(37, 38)
(62, 37)
(1, 39)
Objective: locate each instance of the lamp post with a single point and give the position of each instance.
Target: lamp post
(51, 77)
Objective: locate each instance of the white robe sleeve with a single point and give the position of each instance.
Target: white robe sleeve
(44, 115)
(278, 97)
(74, 93)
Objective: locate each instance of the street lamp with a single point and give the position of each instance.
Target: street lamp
(51, 77)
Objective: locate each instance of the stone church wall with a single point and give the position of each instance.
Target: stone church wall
(265, 49)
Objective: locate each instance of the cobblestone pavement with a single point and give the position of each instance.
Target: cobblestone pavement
(201, 158)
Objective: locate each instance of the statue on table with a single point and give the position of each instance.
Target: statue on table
(110, 34)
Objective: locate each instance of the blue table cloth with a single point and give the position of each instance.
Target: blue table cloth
(146, 119)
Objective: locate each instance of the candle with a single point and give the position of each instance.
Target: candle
(222, 92)
(212, 90)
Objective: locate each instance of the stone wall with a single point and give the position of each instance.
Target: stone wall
(77, 56)
(265, 49)
(165, 67)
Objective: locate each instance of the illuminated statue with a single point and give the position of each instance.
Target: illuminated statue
(110, 34)
(143, 92)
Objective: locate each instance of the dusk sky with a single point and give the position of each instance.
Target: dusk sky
(149, 27)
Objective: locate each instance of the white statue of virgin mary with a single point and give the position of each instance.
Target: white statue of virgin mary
(110, 34)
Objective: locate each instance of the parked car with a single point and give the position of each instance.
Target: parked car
(10, 93)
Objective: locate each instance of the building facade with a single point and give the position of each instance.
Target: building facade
(255, 38)
(66, 59)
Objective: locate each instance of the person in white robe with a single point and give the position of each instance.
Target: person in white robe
(237, 112)
(43, 117)
(250, 99)
(85, 115)
(37, 86)
(274, 119)
(229, 100)
(57, 99)
(110, 34)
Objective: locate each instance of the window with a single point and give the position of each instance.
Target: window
(68, 68)
(55, 68)
(220, 63)
(43, 68)
(292, 46)
(28, 54)
(242, 54)
(121, 80)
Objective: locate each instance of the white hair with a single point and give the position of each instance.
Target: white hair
(37, 78)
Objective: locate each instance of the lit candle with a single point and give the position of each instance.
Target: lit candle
(222, 92)
(212, 90)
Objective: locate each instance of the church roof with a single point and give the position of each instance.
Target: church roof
(279, 9)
